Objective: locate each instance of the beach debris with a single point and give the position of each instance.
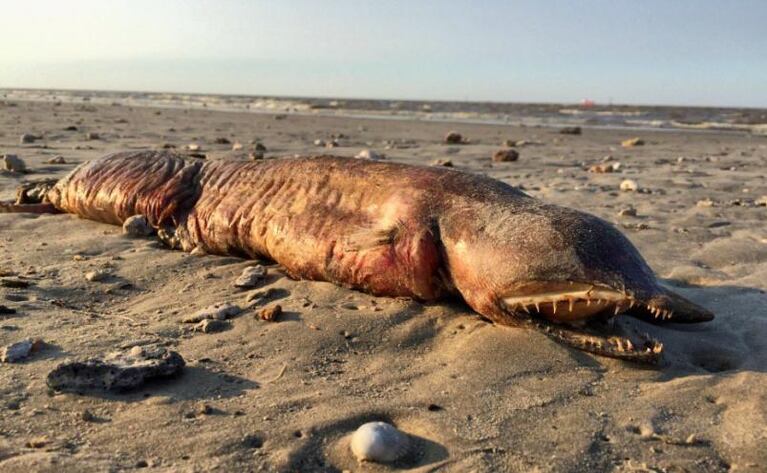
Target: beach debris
(630, 143)
(193, 147)
(271, 313)
(137, 226)
(454, 138)
(250, 277)
(319, 142)
(92, 135)
(260, 147)
(629, 185)
(13, 163)
(570, 130)
(505, 155)
(237, 146)
(27, 138)
(379, 442)
(761, 201)
(57, 160)
(332, 143)
(221, 311)
(606, 167)
(98, 275)
(117, 371)
(71, 128)
(20, 350)
(221, 140)
(370, 154)
(256, 155)
(442, 162)
(212, 326)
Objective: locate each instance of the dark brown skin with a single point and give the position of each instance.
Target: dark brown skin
(392, 230)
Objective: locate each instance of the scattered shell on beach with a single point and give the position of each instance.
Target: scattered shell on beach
(97, 275)
(369, 154)
(13, 163)
(632, 142)
(379, 442)
(137, 226)
(57, 160)
(250, 277)
(211, 326)
(215, 312)
(193, 147)
(629, 185)
(92, 135)
(605, 168)
(505, 155)
(20, 350)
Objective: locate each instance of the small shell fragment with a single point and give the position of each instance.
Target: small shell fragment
(379, 442)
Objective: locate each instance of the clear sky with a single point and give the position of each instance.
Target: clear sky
(659, 52)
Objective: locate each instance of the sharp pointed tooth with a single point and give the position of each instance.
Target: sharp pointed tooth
(617, 308)
(554, 305)
(572, 302)
(631, 303)
(629, 345)
(588, 302)
(524, 307)
(537, 306)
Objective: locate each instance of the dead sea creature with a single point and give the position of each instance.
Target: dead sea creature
(393, 230)
(379, 442)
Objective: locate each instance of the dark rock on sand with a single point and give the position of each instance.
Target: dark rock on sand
(505, 155)
(116, 372)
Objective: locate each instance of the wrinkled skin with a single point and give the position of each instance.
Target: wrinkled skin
(393, 230)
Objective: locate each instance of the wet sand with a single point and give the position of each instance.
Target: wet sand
(285, 396)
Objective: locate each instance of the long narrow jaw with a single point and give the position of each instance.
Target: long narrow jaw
(576, 314)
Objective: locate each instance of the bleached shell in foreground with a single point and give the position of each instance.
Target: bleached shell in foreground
(379, 442)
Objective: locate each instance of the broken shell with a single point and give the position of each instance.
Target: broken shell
(379, 442)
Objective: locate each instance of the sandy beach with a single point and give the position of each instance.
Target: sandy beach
(285, 396)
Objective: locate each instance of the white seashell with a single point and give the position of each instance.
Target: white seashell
(379, 442)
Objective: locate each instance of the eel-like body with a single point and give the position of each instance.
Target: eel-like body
(393, 230)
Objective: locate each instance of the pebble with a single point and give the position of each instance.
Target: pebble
(627, 212)
(442, 162)
(57, 160)
(116, 372)
(505, 155)
(13, 163)
(20, 350)
(260, 147)
(92, 135)
(454, 138)
(215, 312)
(193, 147)
(27, 138)
(570, 130)
(630, 143)
(237, 146)
(212, 326)
(761, 201)
(629, 185)
(379, 442)
(250, 277)
(369, 154)
(256, 155)
(137, 226)
(97, 275)
(222, 141)
(270, 314)
(605, 168)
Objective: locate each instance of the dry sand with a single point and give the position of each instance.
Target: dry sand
(284, 396)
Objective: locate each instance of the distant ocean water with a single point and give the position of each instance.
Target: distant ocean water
(744, 120)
